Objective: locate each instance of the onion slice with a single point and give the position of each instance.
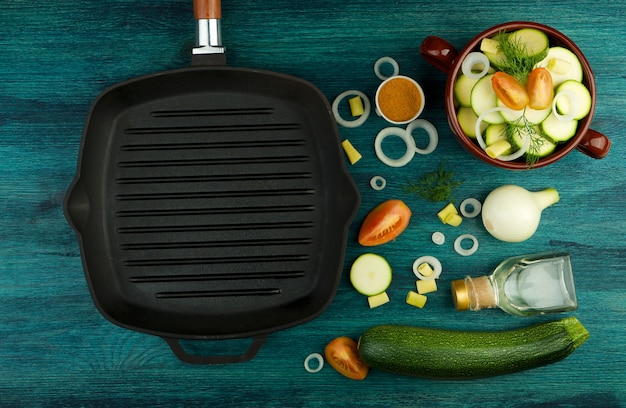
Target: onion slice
(475, 59)
(388, 60)
(462, 251)
(378, 183)
(430, 260)
(479, 137)
(356, 122)
(320, 363)
(573, 105)
(402, 134)
(470, 202)
(433, 135)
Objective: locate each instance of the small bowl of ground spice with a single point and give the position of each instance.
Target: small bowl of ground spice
(399, 99)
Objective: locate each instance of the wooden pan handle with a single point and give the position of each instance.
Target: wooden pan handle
(207, 9)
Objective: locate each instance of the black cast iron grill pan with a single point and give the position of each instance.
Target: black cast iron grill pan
(211, 202)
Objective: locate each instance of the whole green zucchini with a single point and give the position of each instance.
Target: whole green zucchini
(448, 354)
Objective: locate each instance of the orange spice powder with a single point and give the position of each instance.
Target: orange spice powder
(399, 100)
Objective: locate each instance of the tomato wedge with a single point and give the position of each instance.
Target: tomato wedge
(384, 223)
(343, 356)
(539, 88)
(509, 91)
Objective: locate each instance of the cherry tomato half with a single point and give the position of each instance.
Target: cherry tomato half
(540, 89)
(509, 91)
(384, 223)
(343, 356)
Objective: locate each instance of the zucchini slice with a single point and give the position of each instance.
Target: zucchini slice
(539, 145)
(497, 58)
(533, 116)
(558, 130)
(370, 274)
(582, 95)
(534, 42)
(484, 98)
(496, 132)
(463, 89)
(573, 68)
(467, 120)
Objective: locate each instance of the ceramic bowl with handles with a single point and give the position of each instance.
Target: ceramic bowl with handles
(441, 54)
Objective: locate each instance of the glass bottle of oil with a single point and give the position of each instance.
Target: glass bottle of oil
(522, 285)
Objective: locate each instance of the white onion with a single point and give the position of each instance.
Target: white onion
(472, 60)
(511, 213)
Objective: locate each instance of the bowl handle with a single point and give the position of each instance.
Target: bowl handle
(184, 356)
(594, 144)
(438, 52)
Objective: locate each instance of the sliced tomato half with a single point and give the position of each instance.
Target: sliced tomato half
(512, 94)
(384, 223)
(343, 356)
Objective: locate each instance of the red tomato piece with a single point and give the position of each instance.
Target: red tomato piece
(384, 223)
(343, 356)
(540, 89)
(512, 94)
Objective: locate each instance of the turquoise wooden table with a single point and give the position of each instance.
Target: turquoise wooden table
(57, 350)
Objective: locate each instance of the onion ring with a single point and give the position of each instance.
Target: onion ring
(477, 206)
(381, 61)
(432, 134)
(314, 356)
(438, 238)
(402, 133)
(430, 260)
(378, 183)
(479, 137)
(351, 123)
(465, 252)
(573, 108)
(405, 134)
(473, 59)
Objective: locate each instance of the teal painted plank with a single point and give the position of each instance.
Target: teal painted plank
(56, 349)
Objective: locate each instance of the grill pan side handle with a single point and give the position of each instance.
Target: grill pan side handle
(76, 206)
(184, 356)
(208, 49)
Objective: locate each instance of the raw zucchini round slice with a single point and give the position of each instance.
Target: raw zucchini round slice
(484, 98)
(370, 274)
(563, 65)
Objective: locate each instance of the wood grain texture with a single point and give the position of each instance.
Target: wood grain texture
(57, 350)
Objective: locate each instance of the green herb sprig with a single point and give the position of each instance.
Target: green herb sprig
(516, 63)
(521, 128)
(434, 186)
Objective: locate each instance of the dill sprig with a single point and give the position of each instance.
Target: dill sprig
(516, 63)
(521, 128)
(434, 186)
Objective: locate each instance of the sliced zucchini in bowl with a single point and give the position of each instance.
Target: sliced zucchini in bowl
(558, 130)
(540, 146)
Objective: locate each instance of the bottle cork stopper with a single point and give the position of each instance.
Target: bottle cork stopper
(473, 294)
(481, 294)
